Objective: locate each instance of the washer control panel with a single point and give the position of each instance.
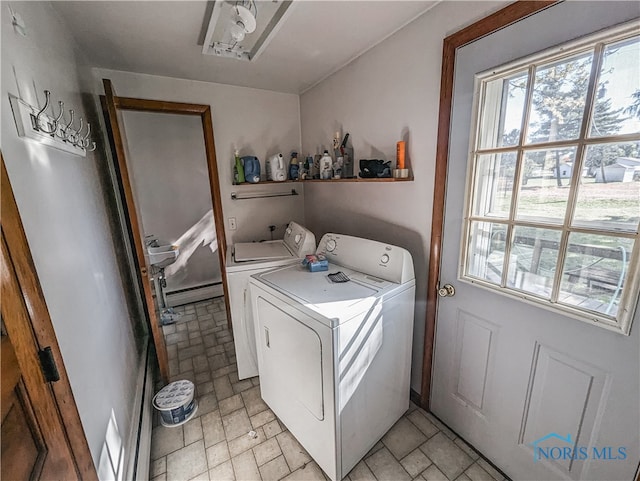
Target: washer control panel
(299, 240)
(370, 257)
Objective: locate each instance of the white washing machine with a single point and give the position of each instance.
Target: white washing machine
(335, 358)
(246, 259)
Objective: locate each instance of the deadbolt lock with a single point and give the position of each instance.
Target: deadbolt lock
(447, 291)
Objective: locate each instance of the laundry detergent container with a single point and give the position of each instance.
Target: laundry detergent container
(251, 169)
(276, 170)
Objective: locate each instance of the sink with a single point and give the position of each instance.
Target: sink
(162, 256)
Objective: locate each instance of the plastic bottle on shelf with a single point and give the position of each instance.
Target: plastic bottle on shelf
(238, 169)
(326, 164)
(400, 154)
(276, 169)
(294, 167)
(337, 167)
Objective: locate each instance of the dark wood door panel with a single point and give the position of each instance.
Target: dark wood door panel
(23, 448)
(34, 441)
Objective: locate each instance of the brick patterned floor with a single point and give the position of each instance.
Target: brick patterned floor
(215, 445)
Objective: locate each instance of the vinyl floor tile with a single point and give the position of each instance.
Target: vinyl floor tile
(235, 436)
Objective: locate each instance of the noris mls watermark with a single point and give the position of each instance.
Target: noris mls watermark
(555, 447)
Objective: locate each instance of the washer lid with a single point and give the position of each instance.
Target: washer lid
(257, 251)
(339, 301)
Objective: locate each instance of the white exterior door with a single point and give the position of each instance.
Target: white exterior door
(543, 395)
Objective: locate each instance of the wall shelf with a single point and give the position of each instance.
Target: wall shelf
(328, 181)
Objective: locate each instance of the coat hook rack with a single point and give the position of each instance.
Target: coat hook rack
(236, 196)
(51, 129)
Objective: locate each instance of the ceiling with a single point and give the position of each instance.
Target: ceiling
(162, 38)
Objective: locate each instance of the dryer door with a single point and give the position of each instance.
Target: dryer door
(295, 356)
(291, 369)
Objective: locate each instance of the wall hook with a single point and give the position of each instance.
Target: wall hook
(65, 129)
(57, 119)
(74, 137)
(60, 133)
(84, 141)
(47, 98)
(46, 126)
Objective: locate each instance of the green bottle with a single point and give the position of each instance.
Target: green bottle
(238, 170)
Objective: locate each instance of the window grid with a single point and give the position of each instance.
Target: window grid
(581, 143)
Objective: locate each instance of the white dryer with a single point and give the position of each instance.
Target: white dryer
(246, 259)
(335, 358)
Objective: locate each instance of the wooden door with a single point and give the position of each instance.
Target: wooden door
(23, 449)
(34, 443)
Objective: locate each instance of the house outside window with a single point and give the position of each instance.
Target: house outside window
(553, 198)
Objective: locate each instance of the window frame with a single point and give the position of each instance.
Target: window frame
(621, 323)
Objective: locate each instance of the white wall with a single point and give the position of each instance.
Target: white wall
(170, 182)
(388, 94)
(63, 204)
(257, 122)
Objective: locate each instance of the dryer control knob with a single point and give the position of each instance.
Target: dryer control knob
(384, 259)
(288, 231)
(331, 245)
(297, 238)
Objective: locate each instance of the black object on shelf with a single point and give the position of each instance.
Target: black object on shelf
(374, 168)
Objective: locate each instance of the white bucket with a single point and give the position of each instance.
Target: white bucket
(175, 402)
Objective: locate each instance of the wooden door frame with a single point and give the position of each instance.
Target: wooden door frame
(29, 342)
(486, 26)
(130, 214)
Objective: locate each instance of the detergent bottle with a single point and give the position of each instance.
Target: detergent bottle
(294, 167)
(238, 169)
(326, 163)
(275, 168)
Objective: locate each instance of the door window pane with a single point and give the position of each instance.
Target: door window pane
(595, 271)
(559, 96)
(494, 184)
(503, 110)
(617, 106)
(486, 251)
(609, 190)
(545, 186)
(527, 198)
(533, 260)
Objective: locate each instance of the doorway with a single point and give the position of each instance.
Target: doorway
(168, 179)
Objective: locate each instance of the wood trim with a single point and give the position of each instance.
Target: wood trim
(492, 23)
(159, 106)
(216, 200)
(43, 332)
(111, 114)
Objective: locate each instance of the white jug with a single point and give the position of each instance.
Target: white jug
(275, 168)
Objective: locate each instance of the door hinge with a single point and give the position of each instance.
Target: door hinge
(48, 365)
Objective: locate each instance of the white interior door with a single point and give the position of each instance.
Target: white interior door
(509, 373)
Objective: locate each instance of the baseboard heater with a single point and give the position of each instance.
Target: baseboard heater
(194, 294)
(139, 447)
